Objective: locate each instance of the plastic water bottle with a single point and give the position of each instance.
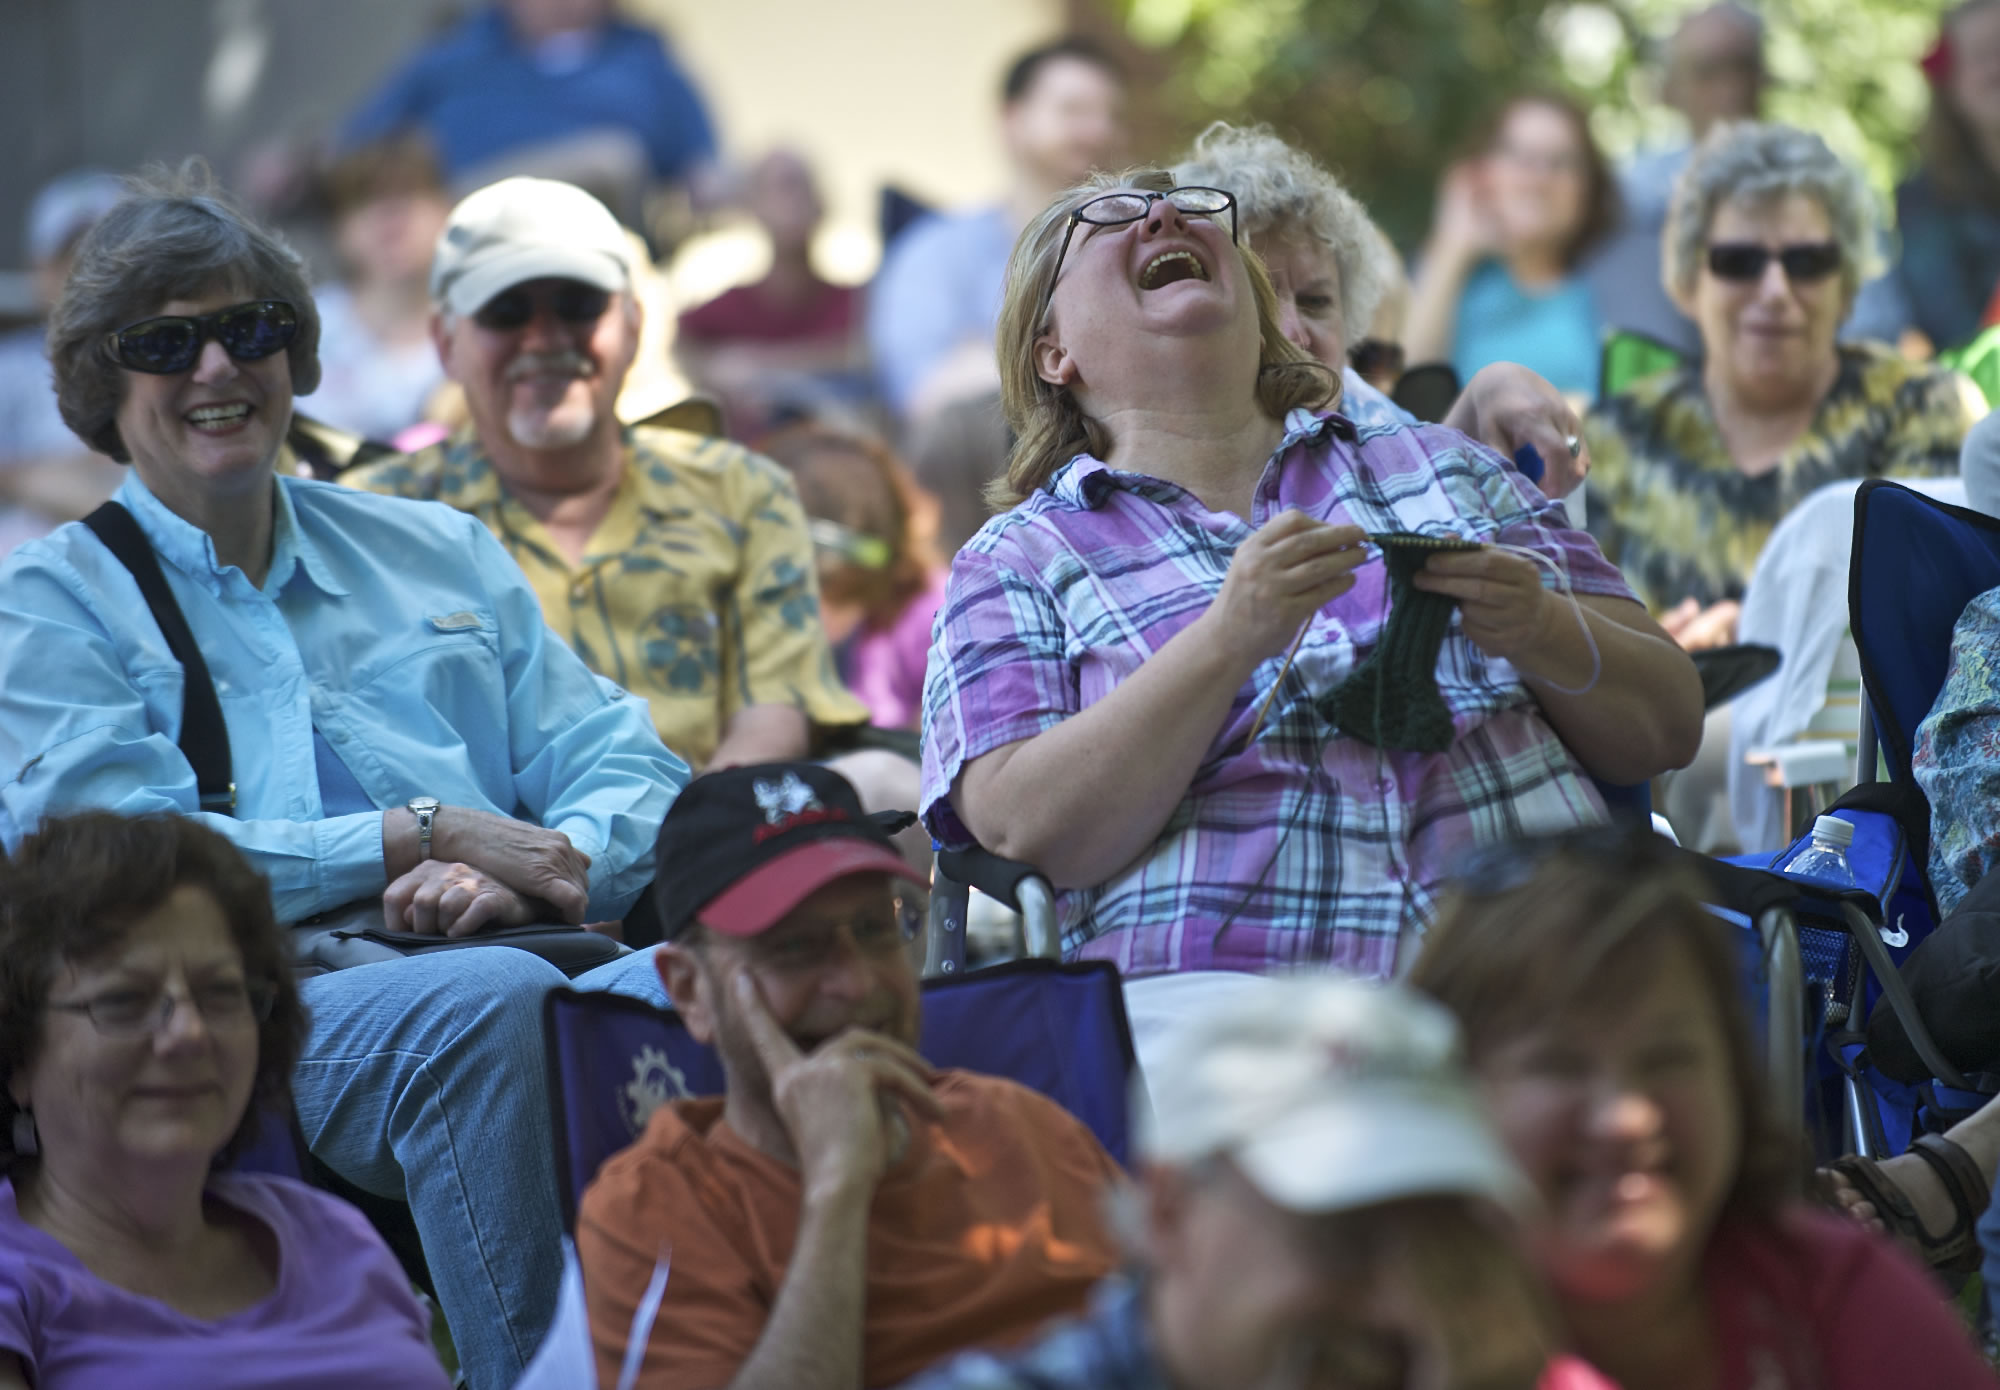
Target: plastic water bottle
(1826, 857)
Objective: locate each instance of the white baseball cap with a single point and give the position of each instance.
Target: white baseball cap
(1328, 1093)
(526, 229)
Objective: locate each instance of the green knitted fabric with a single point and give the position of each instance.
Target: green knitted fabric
(1391, 699)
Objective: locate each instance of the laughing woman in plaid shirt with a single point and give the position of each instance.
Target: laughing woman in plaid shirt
(1180, 514)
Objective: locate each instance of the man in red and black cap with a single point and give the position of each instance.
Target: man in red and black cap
(846, 1215)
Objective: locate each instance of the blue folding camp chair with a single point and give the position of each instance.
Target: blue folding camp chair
(1058, 1029)
(1916, 563)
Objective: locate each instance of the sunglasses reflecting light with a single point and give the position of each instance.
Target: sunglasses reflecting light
(173, 342)
(855, 547)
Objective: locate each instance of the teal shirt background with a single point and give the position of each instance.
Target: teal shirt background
(1554, 332)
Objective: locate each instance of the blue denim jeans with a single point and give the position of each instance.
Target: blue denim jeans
(634, 975)
(423, 1080)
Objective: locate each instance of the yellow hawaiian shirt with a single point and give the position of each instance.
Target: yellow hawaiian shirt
(1669, 507)
(697, 591)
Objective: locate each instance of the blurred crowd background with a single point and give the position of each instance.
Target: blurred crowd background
(768, 152)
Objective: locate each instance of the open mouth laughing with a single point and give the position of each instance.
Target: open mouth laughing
(1170, 267)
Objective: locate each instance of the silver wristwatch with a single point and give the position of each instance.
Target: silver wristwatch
(425, 809)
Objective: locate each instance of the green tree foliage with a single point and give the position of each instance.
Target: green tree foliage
(1388, 92)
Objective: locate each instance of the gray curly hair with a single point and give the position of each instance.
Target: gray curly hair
(1282, 191)
(174, 235)
(1758, 162)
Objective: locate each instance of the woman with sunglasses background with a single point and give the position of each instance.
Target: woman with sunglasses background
(1768, 238)
(880, 583)
(1603, 1014)
(1144, 678)
(148, 1026)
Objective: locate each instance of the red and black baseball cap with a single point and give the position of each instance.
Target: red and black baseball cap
(742, 847)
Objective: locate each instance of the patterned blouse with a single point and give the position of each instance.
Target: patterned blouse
(1670, 508)
(1957, 757)
(697, 590)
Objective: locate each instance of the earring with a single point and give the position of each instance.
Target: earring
(27, 1143)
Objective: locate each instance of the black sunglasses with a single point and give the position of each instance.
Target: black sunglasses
(172, 343)
(1746, 260)
(570, 300)
(1116, 209)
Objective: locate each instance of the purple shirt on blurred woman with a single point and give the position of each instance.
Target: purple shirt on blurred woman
(341, 1315)
(1306, 846)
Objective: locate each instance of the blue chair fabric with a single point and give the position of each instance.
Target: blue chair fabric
(1057, 1028)
(1917, 562)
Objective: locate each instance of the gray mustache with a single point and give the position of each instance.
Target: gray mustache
(566, 363)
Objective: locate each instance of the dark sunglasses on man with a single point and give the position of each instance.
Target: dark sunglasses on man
(571, 301)
(1804, 262)
(173, 342)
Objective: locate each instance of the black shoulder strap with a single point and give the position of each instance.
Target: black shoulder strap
(204, 737)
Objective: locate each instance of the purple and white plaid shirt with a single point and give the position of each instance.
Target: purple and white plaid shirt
(1306, 847)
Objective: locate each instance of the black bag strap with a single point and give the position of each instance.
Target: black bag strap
(204, 737)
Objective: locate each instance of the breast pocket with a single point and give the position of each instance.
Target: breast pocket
(440, 682)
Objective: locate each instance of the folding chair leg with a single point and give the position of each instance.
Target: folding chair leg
(1784, 1045)
(1863, 1131)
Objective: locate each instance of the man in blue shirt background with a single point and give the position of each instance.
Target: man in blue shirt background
(934, 305)
(556, 87)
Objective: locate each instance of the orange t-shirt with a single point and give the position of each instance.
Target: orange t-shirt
(990, 1226)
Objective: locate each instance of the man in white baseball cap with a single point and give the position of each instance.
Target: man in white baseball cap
(675, 564)
(1321, 1204)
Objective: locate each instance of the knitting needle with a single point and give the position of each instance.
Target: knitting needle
(1377, 540)
(1277, 684)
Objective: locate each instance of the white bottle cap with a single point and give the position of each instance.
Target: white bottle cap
(1834, 831)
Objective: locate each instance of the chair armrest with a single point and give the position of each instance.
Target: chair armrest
(1803, 764)
(1017, 886)
(999, 879)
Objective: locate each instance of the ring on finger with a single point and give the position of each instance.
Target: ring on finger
(1574, 443)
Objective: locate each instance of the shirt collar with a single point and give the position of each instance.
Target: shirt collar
(1085, 481)
(191, 550)
(292, 549)
(467, 478)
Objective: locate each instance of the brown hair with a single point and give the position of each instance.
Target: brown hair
(1601, 203)
(825, 462)
(70, 894)
(1505, 962)
(1049, 427)
(1951, 153)
(401, 164)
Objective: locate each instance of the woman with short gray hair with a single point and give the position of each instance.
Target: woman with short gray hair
(152, 251)
(1331, 268)
(1768, 238)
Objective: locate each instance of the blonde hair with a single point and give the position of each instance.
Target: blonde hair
(1283, 192)
(1049, 426)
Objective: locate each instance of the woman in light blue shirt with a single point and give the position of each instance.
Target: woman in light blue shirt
(1498, 279)
(367, 653)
